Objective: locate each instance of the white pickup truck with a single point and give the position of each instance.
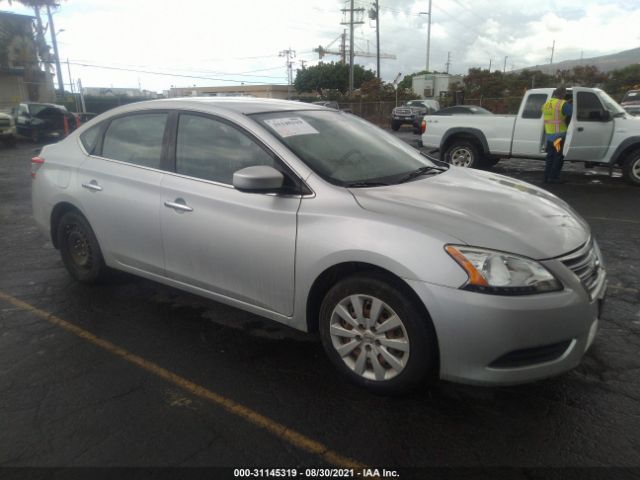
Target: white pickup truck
(600, 132)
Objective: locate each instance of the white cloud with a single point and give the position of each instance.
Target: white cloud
(215, 37)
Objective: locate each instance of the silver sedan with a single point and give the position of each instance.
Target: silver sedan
(410, 269)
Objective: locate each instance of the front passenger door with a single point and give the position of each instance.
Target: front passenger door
(237, 245)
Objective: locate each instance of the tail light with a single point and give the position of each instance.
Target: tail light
(423, 126)
(36, 163)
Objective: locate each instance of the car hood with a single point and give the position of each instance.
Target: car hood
(484, 210)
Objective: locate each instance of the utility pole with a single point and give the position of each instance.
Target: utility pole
(553, 48)
(351, 23)
(448, 64)
(343, 46)
(289, 54)
(504, 68)
(84, 107)
(374, 13)
(55, 51)
(489, 65)
(428, 33)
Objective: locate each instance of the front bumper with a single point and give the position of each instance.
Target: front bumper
(7, 132)
(539, 336)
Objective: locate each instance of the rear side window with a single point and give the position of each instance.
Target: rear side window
(533, 107)
(136, 139)
(89, 138)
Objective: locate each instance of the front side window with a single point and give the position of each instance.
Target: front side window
(344, 149)
(213, 150)
(136, 139)
(589, 108)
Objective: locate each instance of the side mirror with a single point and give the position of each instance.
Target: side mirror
(258, 179)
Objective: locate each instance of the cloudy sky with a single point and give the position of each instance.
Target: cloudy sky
(228, 42)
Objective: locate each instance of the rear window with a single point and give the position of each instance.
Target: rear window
(136, 139)
(533, 107)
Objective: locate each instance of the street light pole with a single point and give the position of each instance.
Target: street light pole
(428, 33)
(55, 51)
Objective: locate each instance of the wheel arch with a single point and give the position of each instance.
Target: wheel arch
(56, 214)
(331, 275)
(470, 134)
(624, 149)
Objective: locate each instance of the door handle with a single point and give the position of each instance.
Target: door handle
(92, 185)
(580, 129)
(179, 205)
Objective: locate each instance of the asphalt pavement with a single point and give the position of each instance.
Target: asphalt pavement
(131, 373)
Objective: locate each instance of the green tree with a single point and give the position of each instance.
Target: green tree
(330, 76)
(622, 80)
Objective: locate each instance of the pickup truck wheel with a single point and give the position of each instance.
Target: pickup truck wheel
(374, 334)
(395, 126)
(631, 168)
(462, 153)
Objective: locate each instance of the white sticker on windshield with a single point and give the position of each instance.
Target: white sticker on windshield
(632, 94)
(291, 126)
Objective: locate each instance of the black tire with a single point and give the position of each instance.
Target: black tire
(79, 248)
(488, 163)
(421, 361)
(463, 153)
(10, 142)
(631, 168)
(395, 126)
(35, 136)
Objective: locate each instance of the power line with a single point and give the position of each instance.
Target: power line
(149, 72)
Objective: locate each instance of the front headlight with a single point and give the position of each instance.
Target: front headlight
(502, 273)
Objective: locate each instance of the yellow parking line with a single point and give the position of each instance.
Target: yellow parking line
(281, 431)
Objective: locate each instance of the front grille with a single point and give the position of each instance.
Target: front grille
(585, 263)
(403, 111)
(5, 122)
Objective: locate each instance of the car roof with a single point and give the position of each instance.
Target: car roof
(242, 105)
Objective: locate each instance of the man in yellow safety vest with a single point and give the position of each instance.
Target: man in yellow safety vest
(557, 115)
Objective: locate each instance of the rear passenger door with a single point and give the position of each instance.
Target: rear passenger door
(234, 244)
(119, 188)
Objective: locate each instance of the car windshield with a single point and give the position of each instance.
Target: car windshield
(343, 149)
(610, 104)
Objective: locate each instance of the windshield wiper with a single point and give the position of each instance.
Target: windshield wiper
(365, 184)
(421, 171)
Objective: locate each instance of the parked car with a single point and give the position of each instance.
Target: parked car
(328, 103)
(601, 132)
(7, 130)
(41, 121)
(411, 111)
(455, 110)
(631, 98)
(633, 110)
(409, 268)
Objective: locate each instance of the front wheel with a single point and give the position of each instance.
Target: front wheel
(463, 153)
(79, 248)
(375, 335)
(395, 126)
(631, 168)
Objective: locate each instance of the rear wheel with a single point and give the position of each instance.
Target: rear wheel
(631, 168)
(10, 142)
(463, 153)
(79, 248)
(375, 335)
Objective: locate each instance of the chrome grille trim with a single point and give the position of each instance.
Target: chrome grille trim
(586, 265)
(5, 122)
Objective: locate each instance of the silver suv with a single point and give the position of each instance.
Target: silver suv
(410, 269)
